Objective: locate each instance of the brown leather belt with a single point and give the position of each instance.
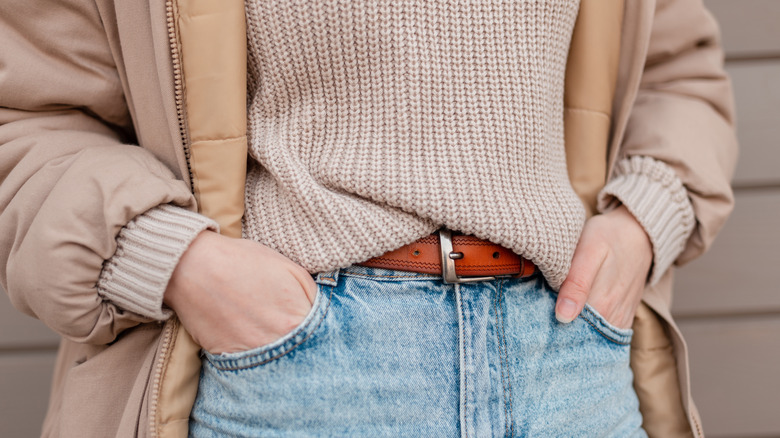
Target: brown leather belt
(458, 259)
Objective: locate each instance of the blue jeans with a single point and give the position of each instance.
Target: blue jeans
(390, 353)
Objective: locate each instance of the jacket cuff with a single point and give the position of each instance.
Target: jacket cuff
(651, 191)
(148, 249)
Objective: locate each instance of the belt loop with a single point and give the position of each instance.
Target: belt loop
(328, 278)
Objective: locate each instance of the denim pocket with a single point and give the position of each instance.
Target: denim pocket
(605, 328)
(287, 343)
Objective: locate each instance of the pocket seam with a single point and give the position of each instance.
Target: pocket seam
(616, 337)
(216, 360)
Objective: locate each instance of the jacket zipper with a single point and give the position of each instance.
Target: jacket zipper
(169, 327)
(159, 365)
(178, 82)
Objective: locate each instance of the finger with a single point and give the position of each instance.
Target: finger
(307, 283)
(311, 289)
(585, 265)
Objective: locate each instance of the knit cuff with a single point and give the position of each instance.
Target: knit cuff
(651, 191)
(148, 249)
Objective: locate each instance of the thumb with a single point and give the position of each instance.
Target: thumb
(308, 284)
(576, 288)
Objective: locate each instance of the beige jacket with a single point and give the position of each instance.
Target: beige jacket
(82, 83)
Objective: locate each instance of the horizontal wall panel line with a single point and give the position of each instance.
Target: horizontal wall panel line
(751, 315)
(748, 57)
(741, 436)
(28, 349)
(748, 187)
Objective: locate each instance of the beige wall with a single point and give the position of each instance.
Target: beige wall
(27, 351)
(727, 302)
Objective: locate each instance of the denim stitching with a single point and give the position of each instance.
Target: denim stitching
(465, 377)
(501, 352)
(506, 357)
(501, 368)
(613, 337)
(301, 329)
(616, 332)
(408, 277)
(422, 276)
(500, 355)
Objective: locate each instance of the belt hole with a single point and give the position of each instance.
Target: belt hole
(416, 252)
(496, 255)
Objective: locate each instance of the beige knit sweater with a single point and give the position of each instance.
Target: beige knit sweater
(372, 124)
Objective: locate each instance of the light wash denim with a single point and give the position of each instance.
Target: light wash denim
(399, 354)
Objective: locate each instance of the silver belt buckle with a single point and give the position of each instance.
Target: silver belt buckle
(448, 257)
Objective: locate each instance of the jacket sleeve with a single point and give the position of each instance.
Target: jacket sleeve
(69, 181)
(682, 120)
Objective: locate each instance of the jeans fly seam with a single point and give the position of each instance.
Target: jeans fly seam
(602, 332)
(501, 357)
(289, 350)
(505, 358)
(464, 396)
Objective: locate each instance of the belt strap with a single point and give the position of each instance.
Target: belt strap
(473, 257)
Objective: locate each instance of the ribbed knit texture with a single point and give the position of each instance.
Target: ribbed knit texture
(655, 196)
(148, 250)
(372, 124)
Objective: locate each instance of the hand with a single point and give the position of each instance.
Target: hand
(234, 295)
(609, 269)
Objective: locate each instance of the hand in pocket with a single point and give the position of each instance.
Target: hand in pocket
(609, 269)
(234, 295)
